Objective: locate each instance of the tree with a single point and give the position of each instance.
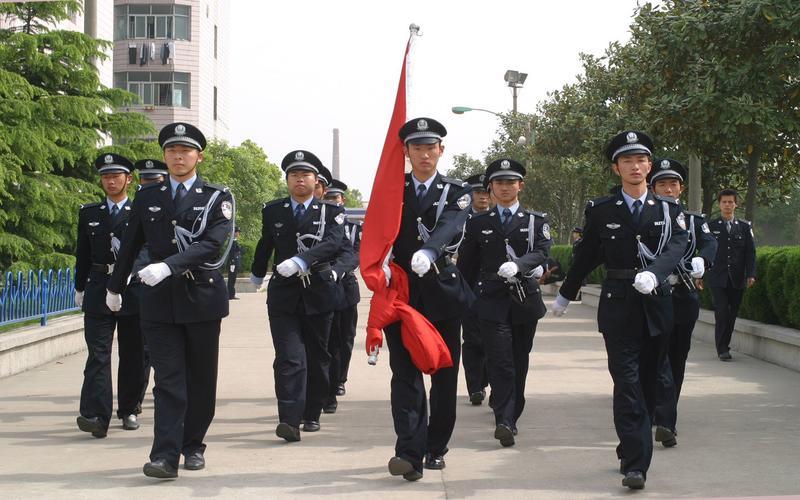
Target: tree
(353, 199)
(465, 166)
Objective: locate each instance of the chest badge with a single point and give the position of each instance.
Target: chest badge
(94, 224)
(154, 209)
(279, 225)
(651, 202)
(613, 225)
(487, 231)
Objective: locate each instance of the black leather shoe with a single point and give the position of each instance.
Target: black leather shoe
(288, 432)
(330, 407)
(434, 462)
(514, 429)
(130, 422)
(476, 398)
(93, 425)
(195, 461)
(505, 435)
(666, 437)
(725, 356)
(402, 467)
(311, 426)
(340, 390)
(160, 469)
(634, 480)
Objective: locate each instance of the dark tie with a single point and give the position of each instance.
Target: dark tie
(728, 226)
(299, 210)
(180, 193)
(421, 190)
(506, 216)
(114, 212)
(637, 211)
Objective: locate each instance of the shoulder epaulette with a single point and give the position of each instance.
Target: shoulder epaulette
(475, 215)
(537, 214)
(330, 203)
(599, 201)
(746, 222)
(455, 182)
(695, 214)
(148, 186)
(274, 202)
(668, 199)
(90, 205)
(218, 187)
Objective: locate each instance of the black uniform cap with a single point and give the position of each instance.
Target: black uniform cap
(422, 131)
(666, 168)
(504, 168)
(110, 163)
(336, 187)
(181, 133)
(149, 168)
(477, 182)
(325, 176)
(300, 159)
(629, 142)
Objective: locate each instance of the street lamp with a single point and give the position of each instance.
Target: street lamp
(460, 110)
(515, 80)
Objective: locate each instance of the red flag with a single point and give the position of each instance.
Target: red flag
(381, 225)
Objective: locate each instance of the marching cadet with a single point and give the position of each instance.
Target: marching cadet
(185, 223)
(234, 263)
(345, 318)
(501, 249)
(640, 238)
(473, 355)
(100, 228)
(667, 179)
(431, 227)
(734, 268)
(304, 234)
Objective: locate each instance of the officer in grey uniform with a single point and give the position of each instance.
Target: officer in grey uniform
(187, 224)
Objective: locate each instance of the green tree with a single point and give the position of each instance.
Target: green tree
(353, 199)
(465, 166)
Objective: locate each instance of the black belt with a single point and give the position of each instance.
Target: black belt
(442, 262)
(319, 267)
(621, 274)
(103, 268)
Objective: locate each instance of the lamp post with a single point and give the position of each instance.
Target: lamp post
(515, 80)
(460, 110)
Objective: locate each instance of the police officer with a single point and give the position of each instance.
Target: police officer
(501, 249)
(345, 317)
(667, 179)
(187, 224)
(100, 228)
(473, 356)
(234, 263)
(640, 238)
(432, 225)
(304, 234)
(734, 268)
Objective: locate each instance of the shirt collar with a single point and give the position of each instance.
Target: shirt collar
(187, 183)
(427, 183)
(630, 199)
(306, 203)
(513, 208)
(111, 204)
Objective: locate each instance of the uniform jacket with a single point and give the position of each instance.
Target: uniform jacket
(346, 264)
(235, 255)
(95, 233)
(279, 233)
(736, 254)
(444, 294)
(686, 301)
(484, 250)
(610, 238)
(190, 294)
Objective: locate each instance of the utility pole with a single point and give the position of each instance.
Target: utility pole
(695, 183)
(335, 160)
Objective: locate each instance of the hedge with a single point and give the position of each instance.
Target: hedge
(774, 299)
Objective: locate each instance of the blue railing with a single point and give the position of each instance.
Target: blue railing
(37, 295)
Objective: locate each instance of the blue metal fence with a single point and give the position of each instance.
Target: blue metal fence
(36, 295)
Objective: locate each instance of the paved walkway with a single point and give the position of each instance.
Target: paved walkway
(739, 431)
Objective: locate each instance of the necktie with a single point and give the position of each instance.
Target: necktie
(506, 216)
(299, 210)
(637, 211)
(421, 190)
(180, 193)
(114, 212)
(728, 226)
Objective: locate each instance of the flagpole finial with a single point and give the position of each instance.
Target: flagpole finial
(413, 28)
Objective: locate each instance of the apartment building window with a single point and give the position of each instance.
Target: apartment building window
(141, 21)
(156, 88)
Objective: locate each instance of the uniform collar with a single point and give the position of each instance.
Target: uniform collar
(186, 184)
(513, 208)
(306, 203)
(427, 183)
(629, 200)
(120, 205)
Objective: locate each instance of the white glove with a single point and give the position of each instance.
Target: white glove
(113, 301)
(256, 280)
(233, 267)
(154, 274)
(288, 268)
(560, 306)
(698, 267)
(420, 263)
(388, 272)
(645, 282)
(538, 272)
(335, 276)
(507, 270)
(78, 298)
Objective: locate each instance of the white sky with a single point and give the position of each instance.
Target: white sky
(301, 68)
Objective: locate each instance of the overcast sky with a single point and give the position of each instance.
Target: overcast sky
(301, 68)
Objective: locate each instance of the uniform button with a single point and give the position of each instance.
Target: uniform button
(111, 234)
(453, 275)
(608, 295)
(210, 280)
(174, 241)
(419, 238)
(511, 288)
(174, 222)
(613, 237)
(297, 234)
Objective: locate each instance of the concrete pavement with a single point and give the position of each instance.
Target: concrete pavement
(738, 429)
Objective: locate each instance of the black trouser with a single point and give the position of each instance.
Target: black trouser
(302, 364)
(97, 393)
(185, 359)
(726, 307)
(416, 434)
(508, 349)
(473, 355)
(340, 347)
(231, 283)
(146, 371)
(634, 362)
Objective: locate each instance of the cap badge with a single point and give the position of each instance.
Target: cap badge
(505, 164)
(631, 137)
(108, 159)
(422, 125)
(149, 163)
(482, 178)
(665, 164)
(299, 156)
(180, 130)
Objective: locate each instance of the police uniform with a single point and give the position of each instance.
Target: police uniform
(507, 307)
(735, 262)
(473, 356)
(234, 263)
(432, 223)
(300, 306)
(187, 230)
(635, 326)
(101, 227)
